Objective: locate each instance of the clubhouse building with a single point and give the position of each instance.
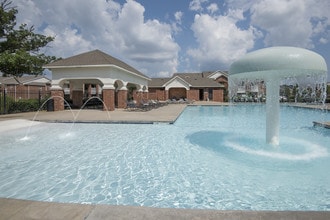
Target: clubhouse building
(96, 73)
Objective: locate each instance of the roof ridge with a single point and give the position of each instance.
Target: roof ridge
(94, 58)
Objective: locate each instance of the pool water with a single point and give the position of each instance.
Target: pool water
(210, 158)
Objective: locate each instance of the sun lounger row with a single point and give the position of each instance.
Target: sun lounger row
(180, 101)
(147, 105)
(144, 105)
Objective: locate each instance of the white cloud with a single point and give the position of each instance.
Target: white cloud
(290, 22)
(177, 24)
(212, 8)
(120, 30)
(196, 5)
(284, 22)
(220, 40)
(68, 42)
(146, 42)
(323, 40)
(25, 16)
(178, 16)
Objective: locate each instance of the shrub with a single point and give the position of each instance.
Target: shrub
(27, 105)
(9, 101)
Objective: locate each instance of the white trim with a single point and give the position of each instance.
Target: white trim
(218, 72)
(108, 86)
(56, 87)
(176, 77)
(184, 84)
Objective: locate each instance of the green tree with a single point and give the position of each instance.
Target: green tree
(20, 52)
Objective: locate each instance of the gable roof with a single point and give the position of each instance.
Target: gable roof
(216, 74)
(33, 80)
(199, 80)
(178, 79)
(25, 80)
(93, 58)
(158, 82)
(196, 80)
(8, 80)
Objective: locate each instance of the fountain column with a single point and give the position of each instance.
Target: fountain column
(272, 111)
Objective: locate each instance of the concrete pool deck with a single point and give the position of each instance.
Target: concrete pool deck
(13, 209)
(166, 114)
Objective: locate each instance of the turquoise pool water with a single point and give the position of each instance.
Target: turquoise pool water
(211, 158)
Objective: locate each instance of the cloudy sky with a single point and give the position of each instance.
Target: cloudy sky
(161, 37)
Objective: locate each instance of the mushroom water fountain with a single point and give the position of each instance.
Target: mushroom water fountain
(272, 65)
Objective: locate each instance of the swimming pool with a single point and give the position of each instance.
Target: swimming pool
(211, 158)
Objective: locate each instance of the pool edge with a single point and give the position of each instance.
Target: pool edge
(25, 209)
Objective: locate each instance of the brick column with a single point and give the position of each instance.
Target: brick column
(145, 95)
(139, 97)
(166, 95)
(58, 97)
(122, 98)
(108, 99)
(97, 90)
(89, 90)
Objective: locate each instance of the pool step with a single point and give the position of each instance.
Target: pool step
(322, 124)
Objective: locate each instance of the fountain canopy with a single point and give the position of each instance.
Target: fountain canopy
(272, 65)
(278, 62)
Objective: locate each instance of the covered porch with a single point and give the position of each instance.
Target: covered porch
(96, 77)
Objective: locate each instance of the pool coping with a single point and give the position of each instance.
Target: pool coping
(13, 209)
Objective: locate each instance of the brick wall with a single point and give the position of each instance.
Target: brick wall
(18, 92)
(177, 93)
(77, 98)
(157, 94)
(193, 94)
(218, 95)
(153, 94)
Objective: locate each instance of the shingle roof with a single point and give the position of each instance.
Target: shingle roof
(194, 79)
(198, 80)
(8, 80)
(157, 82)
(32, 80)
(92, 58)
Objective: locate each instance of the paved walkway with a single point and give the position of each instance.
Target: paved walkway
(14, 209)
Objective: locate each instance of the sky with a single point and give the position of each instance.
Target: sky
(162, 37)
